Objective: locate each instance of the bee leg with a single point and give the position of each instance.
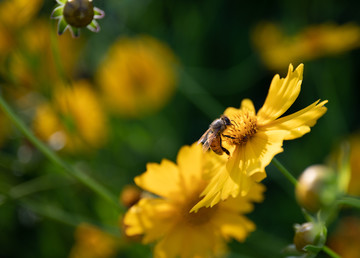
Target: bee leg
(224, 150)
(228, 136)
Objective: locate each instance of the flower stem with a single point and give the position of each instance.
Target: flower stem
(284, 171)
(349, 200)
(52, 156)
(330, 252)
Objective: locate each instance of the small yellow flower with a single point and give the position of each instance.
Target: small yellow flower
(278, 50)
(137, 76)
(74, 120)
(254, 139)
(167, 220)
(91, 242)
(24, 11)
(34, 64)
(17, 13)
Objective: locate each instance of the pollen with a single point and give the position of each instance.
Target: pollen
(243, 127)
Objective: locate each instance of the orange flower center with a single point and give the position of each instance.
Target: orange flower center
(202, 216)
(244, 126)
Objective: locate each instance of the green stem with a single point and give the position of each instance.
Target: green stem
(330, 252)
(284, 171)
(52, 156)
(350, 201)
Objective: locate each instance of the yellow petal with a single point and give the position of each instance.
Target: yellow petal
(299, 123)
(282, 94)
(160, 179)
(151, 217)
(243, 204)
(184, 241)
(247, 105)
(234, 225)
(190, 165)
(261, 149)
(226, 181)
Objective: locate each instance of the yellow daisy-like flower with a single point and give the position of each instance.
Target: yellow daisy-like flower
(74, 120)
(167, 219)
(23, 10)
(137, 76)
(254, 139)
(278, 50)
(91, 242)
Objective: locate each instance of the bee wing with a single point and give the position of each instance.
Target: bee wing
(206, 139)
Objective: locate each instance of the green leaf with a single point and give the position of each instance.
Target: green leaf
(62, 2)
(58, 12)
(62, 26)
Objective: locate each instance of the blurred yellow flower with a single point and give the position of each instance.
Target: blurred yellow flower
(74, 120)
(91, 242)
(137, 76)
(278, 50)
(14, 14)
(254, 139)
(345, 239)
(17, 13)
(167, 220)
(35, 64)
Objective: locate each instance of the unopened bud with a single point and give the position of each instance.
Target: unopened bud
(306, 234)
(78, 13)
(316, 188)
(130, 195)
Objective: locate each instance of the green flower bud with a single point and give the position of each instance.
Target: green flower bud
(78, 13)
(316, 188)
(309, 233)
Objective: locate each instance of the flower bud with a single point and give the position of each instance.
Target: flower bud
(316, 188)
(78, 13)
(306, 234)
(130, 195)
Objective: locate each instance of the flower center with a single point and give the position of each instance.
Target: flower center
(244, 126)
(202, 216)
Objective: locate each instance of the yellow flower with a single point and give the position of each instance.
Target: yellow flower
(167, 220)
(91, 242)
(14, 14)
(278, 50)
(254, 139)
(137, 76)
(17, 13)
(74, 119)
(34, 63)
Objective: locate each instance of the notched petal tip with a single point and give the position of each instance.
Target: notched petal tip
(62, 26)
(57, 12)
(94, 26)
(75, 32)
(98, 13)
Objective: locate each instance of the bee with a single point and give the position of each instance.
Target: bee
(212, 137)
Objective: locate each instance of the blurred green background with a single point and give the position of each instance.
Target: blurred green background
(218, 64)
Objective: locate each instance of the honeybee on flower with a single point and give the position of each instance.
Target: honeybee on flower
(76, 14)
